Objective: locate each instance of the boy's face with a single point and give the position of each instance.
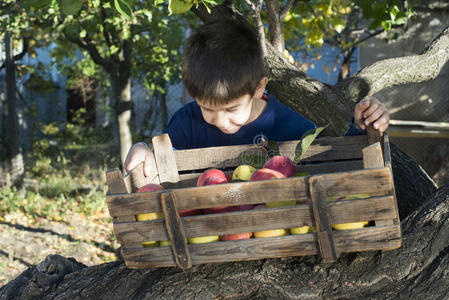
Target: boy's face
(229, 118)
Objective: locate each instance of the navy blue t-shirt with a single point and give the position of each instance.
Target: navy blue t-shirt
(188, 129)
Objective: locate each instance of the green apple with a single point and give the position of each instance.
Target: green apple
(204, 239)
(300, 230)
(243, 172)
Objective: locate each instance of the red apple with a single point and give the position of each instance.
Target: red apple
(281, 164)
(190, 212)
(236, 236)
(150, 188)
(212, 176)
(265, 174)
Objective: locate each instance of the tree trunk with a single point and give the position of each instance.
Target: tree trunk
(121, 88)
(15, 149)
(416, 270)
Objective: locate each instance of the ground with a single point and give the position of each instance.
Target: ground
(25, 242)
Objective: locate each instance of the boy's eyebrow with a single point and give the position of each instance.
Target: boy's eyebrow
(230, 107)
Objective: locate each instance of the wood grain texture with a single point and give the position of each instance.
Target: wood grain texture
(175, 232)
(165, 159)
(366, 239)
(323, 221)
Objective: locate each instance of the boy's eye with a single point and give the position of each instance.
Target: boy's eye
(231, 109)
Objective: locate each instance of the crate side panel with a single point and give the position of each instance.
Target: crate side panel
(328, 148)
(370, 181)
(366, 239)
(376, 208)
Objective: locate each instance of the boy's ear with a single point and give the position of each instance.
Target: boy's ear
(261, 88)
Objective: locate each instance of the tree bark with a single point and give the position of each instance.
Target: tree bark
(417, 269)
(15, 149)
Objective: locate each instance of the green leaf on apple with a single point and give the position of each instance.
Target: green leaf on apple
(306, 140)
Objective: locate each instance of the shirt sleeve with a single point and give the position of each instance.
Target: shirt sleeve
(354, 129)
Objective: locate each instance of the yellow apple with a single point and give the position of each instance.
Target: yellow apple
(151, 244)
(149, 216)
(270, 233)
(348, 226)
(165, 243)
(204, 239)
(243, 172)
(300, 230)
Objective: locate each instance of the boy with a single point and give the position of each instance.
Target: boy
(223, 70)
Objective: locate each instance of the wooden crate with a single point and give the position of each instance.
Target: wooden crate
(336, 166)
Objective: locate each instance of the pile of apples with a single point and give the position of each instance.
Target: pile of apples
(276, 167)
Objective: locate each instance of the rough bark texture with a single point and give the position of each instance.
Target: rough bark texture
(418, 269)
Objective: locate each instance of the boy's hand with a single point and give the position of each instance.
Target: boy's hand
(371, 111)
(138, 153)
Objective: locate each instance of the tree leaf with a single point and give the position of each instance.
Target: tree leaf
(70, 7)
(306, 140)
(179, 6)
(123, 7)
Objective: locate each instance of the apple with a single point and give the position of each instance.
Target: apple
(236, 236)
(270, 233)
(150, 244)
(151, 187)
(189, 212)
(266, 174)
(212, 176)
(243, 172)
(282, 164)
(204, 239)
(300, 230)
(165, 243)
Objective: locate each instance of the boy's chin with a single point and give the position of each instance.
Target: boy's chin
(230, 131)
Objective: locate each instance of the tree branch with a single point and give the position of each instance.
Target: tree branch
(398, 71)
(93, 52)
(286, 8)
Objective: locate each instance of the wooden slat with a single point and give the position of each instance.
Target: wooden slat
(212, 196)
(370, 209)
(175, 232)
(374, 136)
(372, 156)
(116, 185)
(366, 239)
(165, 159)
(330, 167)
(322, 149)
(328, 148)
(387, 151)
(323, 222)
(372, 181)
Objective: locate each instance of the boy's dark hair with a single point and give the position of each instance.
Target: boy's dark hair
(222, 61)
